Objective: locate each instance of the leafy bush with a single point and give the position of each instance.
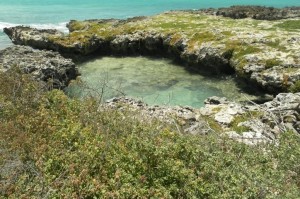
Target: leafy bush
(76, 149)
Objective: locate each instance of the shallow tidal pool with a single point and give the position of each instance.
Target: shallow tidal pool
(155, 81)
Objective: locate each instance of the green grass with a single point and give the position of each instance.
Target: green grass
(289, 25)
(296, 87)
(234, 125)
(269, 63)
(245, 50)
(276, 45)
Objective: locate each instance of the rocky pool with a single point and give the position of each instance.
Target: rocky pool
(155, 81)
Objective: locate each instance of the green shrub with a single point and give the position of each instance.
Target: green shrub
(74, 149)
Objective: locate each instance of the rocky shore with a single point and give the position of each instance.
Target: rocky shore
(263, 52)
(249, 123)
(260, 45)
(43, 65)
(256, 12)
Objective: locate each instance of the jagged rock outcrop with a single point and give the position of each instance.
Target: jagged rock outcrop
(248, 123)
(262, 52)
(43, 65)
(22, 35)
(253, 123)
(254, 12)
(140, 42)
(43, 39)
(187, 119)
(259, 12)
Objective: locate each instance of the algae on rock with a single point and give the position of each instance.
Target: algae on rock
(259, 50)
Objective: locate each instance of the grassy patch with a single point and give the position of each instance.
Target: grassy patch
(201, 37)
(234, 125)
(276, 44)
(269, 63)
(215, 126)
(289, 25)
(245, 50)
(295, 87)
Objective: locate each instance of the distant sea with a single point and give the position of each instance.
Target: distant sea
(56, 13)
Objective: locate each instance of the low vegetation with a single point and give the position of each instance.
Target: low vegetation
(296, 87)
(272, 62)
(52, 146)
(290, 25)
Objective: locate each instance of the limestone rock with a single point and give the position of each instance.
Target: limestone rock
(249, 138)
(42, 64)
(264, 52)
(22, 35)
(258, 12)
(268, 119)
(186, 118)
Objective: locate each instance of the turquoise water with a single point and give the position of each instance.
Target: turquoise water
(55, 13)
(155, 81)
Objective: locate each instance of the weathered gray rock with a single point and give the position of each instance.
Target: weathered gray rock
(263, 52)
(42, 39)
(261, 123)
(42, 64)
(188, 119)
(257, 12)
(275, 77)
(249, 138)
(267, 120)
(22, 35)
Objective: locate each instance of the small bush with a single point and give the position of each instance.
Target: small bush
(74, 149)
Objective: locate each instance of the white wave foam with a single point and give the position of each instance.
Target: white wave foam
(59, 26)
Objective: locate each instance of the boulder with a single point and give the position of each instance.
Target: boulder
(42, 64)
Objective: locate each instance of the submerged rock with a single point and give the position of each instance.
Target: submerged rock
(43, 65)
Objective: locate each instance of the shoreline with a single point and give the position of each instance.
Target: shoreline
(262, 52)
(55, 146)
(231, 50)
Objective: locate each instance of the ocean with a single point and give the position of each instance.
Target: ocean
(56, 13)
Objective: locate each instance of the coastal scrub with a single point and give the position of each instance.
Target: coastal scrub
(62, 147)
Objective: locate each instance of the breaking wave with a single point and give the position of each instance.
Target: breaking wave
(58, 26)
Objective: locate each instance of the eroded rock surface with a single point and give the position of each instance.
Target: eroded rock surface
(257, 12)
(263, 52)
(253, 123)
(187, 119)
(43, 65)
(248, 123)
